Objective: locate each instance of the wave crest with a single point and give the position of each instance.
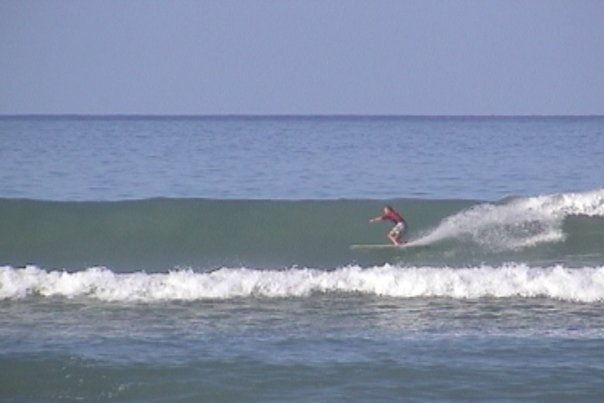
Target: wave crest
(508, 281)
(518, 223)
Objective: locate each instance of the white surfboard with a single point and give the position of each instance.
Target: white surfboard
(374, 246)
(382, 246)
(410, 244)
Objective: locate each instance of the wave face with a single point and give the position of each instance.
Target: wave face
(509, 281)
(161, 234)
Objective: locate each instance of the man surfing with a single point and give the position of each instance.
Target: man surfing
(397, 233)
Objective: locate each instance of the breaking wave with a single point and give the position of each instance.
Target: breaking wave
(158, 234)
(517, 223)
(507, 281)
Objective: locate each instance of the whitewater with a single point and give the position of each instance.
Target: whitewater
(513, 280)
(518, 222)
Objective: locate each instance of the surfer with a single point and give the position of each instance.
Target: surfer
(400, 226)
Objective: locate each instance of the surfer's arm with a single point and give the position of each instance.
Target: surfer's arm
(376, 219)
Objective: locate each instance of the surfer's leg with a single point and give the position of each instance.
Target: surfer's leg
(396, 234)
(394, 237)
(401, 232)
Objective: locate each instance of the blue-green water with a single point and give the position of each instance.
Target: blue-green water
(208, 259)
(299, 157)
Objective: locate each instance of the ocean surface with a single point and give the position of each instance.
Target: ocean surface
(208, 259)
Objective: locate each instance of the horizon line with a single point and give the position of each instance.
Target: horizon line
(286, 115)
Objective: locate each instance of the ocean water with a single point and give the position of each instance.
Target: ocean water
(208, 259)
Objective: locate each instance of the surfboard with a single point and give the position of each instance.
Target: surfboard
(383, 246)
(377, 246)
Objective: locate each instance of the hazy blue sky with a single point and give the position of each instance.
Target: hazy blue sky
(302, 57)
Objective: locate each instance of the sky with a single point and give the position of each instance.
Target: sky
(374, 57)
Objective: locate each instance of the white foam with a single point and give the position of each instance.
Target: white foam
(508, 281)
(519, 223)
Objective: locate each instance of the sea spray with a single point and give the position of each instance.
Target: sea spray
(518, 222)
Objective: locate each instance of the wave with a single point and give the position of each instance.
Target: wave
(585, 285)
(159, 234)
(517, 223)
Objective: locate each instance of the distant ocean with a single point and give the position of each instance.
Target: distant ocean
(208, 259)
